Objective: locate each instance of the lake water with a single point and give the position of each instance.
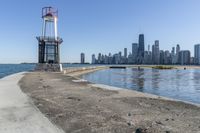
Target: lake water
(7, 69)
(177, 84)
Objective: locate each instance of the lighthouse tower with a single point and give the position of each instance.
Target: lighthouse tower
(49, 42)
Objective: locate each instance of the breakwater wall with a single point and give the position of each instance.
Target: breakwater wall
(75, 71)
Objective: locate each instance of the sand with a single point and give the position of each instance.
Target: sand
(82, 107)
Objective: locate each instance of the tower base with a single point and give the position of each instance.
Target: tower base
(48, 67)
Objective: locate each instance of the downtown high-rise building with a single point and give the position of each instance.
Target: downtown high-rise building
(156, 53)
(140, 49)
(177, 52)
(134, 52)
(125, 52)
(177, 48)
(197, 54)
(93, 59)
(173, 56)
(184, 57)
(162, 57)
(99, 60)
(167, 57)
(147, 56)
(82, 58)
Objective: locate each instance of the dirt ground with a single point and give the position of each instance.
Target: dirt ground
(80, 108)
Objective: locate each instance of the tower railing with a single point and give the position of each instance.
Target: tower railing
(49, 11)
(49, 39)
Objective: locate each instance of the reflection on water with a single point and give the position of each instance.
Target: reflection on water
(178, 84)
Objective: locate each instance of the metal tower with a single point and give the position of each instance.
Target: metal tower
(49, 42)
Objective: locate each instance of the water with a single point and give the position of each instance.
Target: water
(177, 84)
(7, 69)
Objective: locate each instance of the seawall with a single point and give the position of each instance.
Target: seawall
(77, 71)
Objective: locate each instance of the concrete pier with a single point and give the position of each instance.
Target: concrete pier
(83, 107)
(18, 114)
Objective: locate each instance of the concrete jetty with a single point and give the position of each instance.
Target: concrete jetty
(83, 107)
(18, 114)
(50, 100)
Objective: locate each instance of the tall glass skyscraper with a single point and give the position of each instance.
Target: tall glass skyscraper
(141, 48)
(82, 58)
(125, 52)
(197, 54)
(157, 52)
(141, 45)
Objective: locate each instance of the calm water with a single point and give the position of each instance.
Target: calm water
(7, 69)
(178, 84)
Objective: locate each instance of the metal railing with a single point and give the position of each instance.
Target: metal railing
(49, 39)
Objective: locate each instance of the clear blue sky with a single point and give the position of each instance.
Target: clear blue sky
(93, 26)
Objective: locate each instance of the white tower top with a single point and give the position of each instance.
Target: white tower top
(50, 17)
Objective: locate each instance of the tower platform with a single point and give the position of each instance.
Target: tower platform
(48, 67)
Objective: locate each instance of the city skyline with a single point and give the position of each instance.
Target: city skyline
(156, 56)
(98, 26)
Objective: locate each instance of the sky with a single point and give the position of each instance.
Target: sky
(93, 26)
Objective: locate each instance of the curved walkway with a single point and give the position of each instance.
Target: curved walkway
(17, 112)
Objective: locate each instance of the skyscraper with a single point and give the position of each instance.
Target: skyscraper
(125, 52)
(120, 57)
(197, 54)
(93, 59)
(177, 49)
(157, 52)
(147, 57)
(177, 52)
(141, 45)
(141, 48)
(162, 54)
(173, 56)
(120, 54)
(134, 52)
(153, 54)
(82, 58)
(110, 58)
(184, 57)
(99, 58)
(167, 59)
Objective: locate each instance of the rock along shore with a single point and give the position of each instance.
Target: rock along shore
(83, 107)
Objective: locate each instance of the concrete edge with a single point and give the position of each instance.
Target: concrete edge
(141, 94)
(108, 87)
